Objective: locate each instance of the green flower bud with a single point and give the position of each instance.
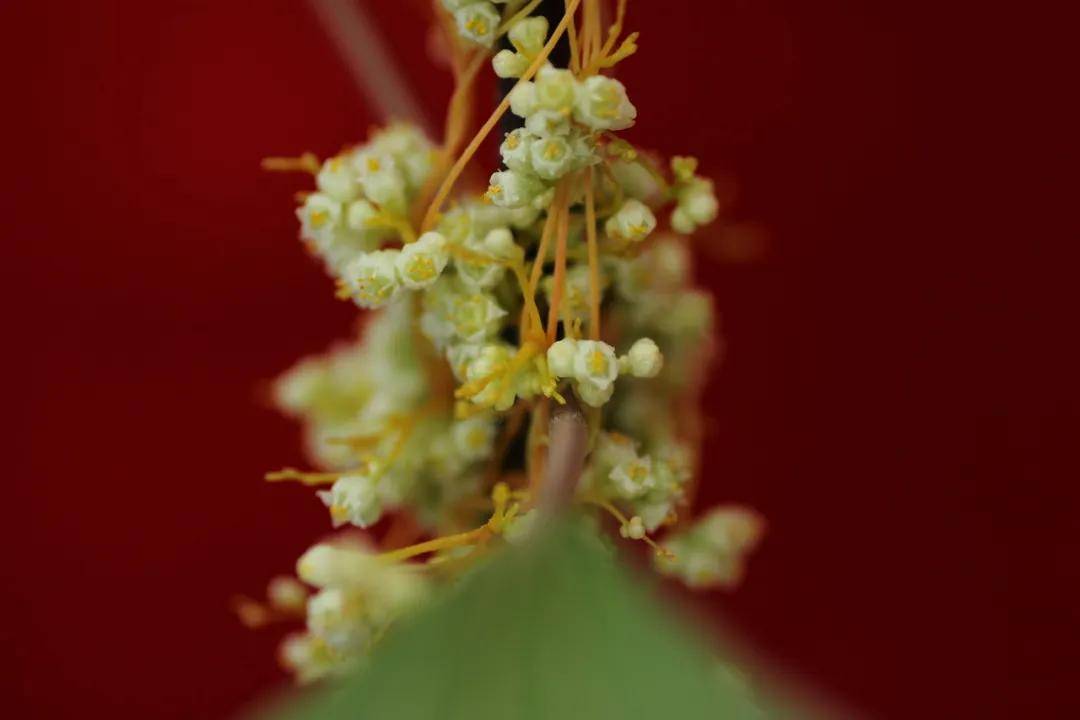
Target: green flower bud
(509, 64)
(523, 100)
(560, 357)
(528, 35)
(644, 359)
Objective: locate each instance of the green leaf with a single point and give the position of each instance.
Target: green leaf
(556, 629)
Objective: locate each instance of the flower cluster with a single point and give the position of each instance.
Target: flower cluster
(362, 201)
(566, 281)
(712, 552)
(368, 417)
(562, 117)
(357, 598)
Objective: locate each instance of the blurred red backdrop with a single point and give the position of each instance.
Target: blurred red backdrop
(160, 282)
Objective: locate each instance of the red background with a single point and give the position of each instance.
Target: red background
(158, 282)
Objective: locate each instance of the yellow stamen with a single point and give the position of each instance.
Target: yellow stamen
(319, 218)
(594, 257)
(597, 363)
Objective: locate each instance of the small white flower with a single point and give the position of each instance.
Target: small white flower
(613, 448)
(475, 316)
(360, 215)
(602, 104)
(593, 395)
(335, 616)
(699, 202)
(512, 189)
(337, 179)
(634, 529)
(636, 180)
(473, 438)
(381, 180)
(556, 90)
(489, 363)
(633, 478)
(326, 565)
(420, 263)
(509, 64)
(499, 242)
(411, 149)
(286, 593)
(319, 217)
(633, 221)
(515, 150)
(547, 123)
(528, 35)
(551, 157)
(595, 364)
(459, 356)
(478, 22)
(523, 100)
(307, 657)
(644, 359)
(353, 499)
(372, 278)
(561, 356)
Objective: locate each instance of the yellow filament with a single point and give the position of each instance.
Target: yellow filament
(552, 220)
(559, 277)
(305, 163)
(523, 12)
(613, 35)
(307, 478)
(444, 543)
(575, 53)
(618, 515)
(500, 496)
(594, 257)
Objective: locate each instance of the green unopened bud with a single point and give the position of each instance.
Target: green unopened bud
(528, 35)
(523, 99)
(509, 64)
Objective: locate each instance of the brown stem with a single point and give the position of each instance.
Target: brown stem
(568, 443)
